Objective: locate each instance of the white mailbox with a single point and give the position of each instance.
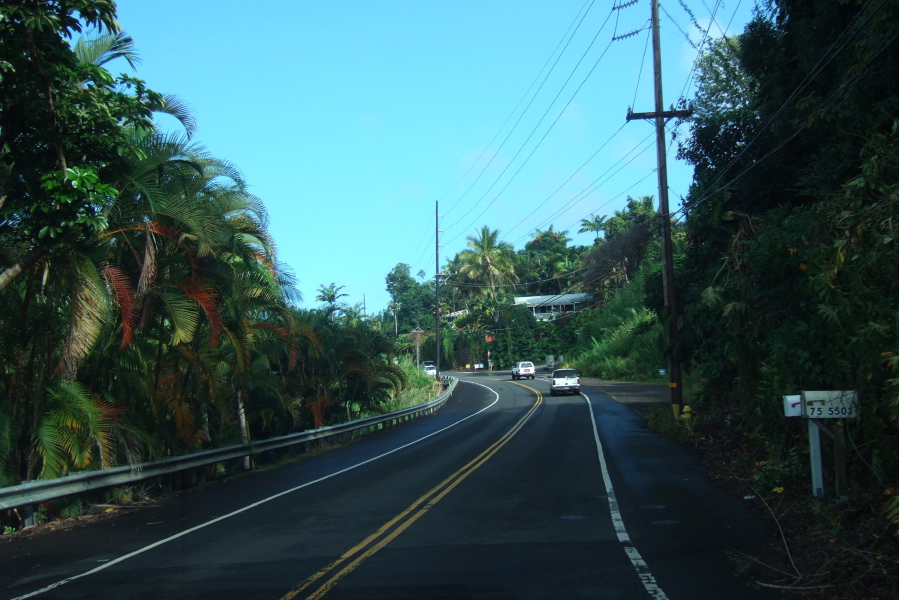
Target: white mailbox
(830, 404)
(793, 406)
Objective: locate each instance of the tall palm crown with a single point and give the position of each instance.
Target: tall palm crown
(595, 224)
(488, 259)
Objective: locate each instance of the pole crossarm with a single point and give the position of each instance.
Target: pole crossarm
(665, 114)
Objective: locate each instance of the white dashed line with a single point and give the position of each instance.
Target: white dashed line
(640, 566)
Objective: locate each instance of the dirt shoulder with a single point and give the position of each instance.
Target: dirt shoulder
(631, 393)
(824, 549)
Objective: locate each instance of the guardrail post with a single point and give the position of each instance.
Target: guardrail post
(27, 515)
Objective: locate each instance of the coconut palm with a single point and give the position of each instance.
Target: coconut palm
(330, 294)
(487, 260)
(595, 224)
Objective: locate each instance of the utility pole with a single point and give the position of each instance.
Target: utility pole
(661, 116)
(437, 280)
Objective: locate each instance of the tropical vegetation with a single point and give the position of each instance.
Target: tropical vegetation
(143, 309)
(144, 312)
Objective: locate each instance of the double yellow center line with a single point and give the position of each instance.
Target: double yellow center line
(388, 532)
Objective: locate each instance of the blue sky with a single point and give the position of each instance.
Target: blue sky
(351, 119)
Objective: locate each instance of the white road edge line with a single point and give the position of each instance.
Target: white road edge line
(640, 566)
(250, 506)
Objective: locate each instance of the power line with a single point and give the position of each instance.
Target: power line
(620, 194)
(421, 254)
(702, 42)
(640, 70)
(810, 76)
(570, 177)
(539, 122)
(596, 183)
(536, 93)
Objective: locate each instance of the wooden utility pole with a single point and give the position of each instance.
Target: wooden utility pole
(661, 116)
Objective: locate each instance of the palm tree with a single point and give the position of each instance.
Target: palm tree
(353, 316)
(487, 259)
(563, 268)
(98, 48)
(330, 294)
(596, 224)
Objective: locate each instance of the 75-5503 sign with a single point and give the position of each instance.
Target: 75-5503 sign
(830, 404)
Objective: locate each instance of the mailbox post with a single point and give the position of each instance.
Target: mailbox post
(815, 406)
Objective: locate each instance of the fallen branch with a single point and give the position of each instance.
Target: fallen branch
(755, 560)
(803, 588)
(783, 537)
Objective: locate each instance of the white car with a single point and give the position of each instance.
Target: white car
(430, 370)
(523, 369)
(564, 380)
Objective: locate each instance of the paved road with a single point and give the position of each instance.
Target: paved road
(504, 493)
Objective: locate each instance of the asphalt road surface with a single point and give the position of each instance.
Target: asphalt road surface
(506, 492)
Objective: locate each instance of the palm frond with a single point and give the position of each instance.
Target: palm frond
(126, 298)
(183, 316)
(75, 424)
(89, 312)
(178, 108)
(8, 433)
(209, 301)
(101, 48)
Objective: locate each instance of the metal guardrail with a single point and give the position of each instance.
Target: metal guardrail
(35, 492)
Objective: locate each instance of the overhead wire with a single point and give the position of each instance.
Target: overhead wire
(584, 193)
(619, 195)
(570, 177)
(810, 76)
(534, 130)
(806, 81)
(534, 149)
(700, 46)
(418, 252)
(588, 4)
(536, 93)
(640, 70)
(592, 187)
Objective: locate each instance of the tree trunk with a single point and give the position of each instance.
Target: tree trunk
(26, 262)
(242, 419)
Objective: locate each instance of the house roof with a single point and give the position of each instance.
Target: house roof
(553, 300)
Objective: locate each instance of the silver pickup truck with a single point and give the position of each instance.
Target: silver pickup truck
(564, 380)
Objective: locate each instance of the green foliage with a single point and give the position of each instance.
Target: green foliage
(143, 311)
(787, 472)
(624, 340)
(420, 388)
(636, 213)
(514, 338)
(791, 252)
(412, 302)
